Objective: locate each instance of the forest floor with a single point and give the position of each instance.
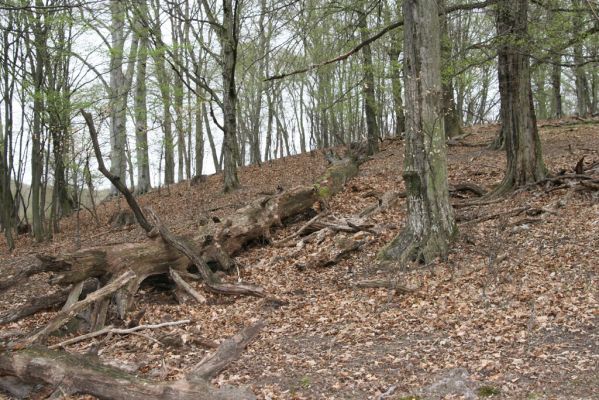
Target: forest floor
(512, 313)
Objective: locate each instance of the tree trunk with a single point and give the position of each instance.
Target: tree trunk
(199, 134)
(141, 114)
(430, 226)
(523, 146)
(229, 49)
(164, 85)
(452, 120)
(370, 105)
(37, 167)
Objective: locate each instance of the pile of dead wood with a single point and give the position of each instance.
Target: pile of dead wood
(95, 280)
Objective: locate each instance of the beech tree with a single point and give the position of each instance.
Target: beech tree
(430, 226)
(519, 125)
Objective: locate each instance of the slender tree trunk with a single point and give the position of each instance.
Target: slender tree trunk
(37, 167)
(452, 119)
(199, 134)
(430, 226)
(556, 86)
(164, 84)
(141, 116)
(213, 150)
(370, 105)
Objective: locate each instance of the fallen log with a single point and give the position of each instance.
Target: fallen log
(226, 353)
(77, 374)
(215, 243)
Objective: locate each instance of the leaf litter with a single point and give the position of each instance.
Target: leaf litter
(514, 306)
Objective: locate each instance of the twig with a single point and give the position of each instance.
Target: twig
(301, 230)
(118, 331)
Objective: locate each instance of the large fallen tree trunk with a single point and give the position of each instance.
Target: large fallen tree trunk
(215, 242)
(67, 374)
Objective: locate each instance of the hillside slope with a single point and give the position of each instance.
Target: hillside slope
(512, 312)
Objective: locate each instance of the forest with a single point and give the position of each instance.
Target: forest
(303, 199)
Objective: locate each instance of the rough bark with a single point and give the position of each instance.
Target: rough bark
(370, 105)
(452, 120)
(141, 110)
(228, 40)
(64, 316)
(76, 374)
(430, 226)
(519, 126)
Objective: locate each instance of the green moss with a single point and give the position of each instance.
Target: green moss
(488, 391)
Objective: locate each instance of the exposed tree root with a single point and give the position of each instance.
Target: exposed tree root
(407, 247)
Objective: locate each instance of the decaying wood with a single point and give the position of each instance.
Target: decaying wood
(387, 284)
(387, 200)
(47, 302)
(64, 316)
(186, 287)
(469, 219)
(215, 242)
(226, 353)
(209, 278)
(118, 331)
(299, 232)
(467, 187)
(76, 374)
(330, 257)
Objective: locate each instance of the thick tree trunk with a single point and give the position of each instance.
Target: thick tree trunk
(229, 44)
(430, 226)
(519, 127)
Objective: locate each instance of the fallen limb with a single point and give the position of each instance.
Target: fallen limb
(327, 258)
(77, 374)
(386, 284)
(64, 316)
(115, 180)
(24, 272)
(47, 302)
(180, 282)
(209, 279)
(118, 331)
(386, 201)
(467, 220)
(467, 187)
(302, 229)
(226, 353)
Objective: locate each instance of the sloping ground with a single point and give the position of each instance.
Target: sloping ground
(515, 304)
